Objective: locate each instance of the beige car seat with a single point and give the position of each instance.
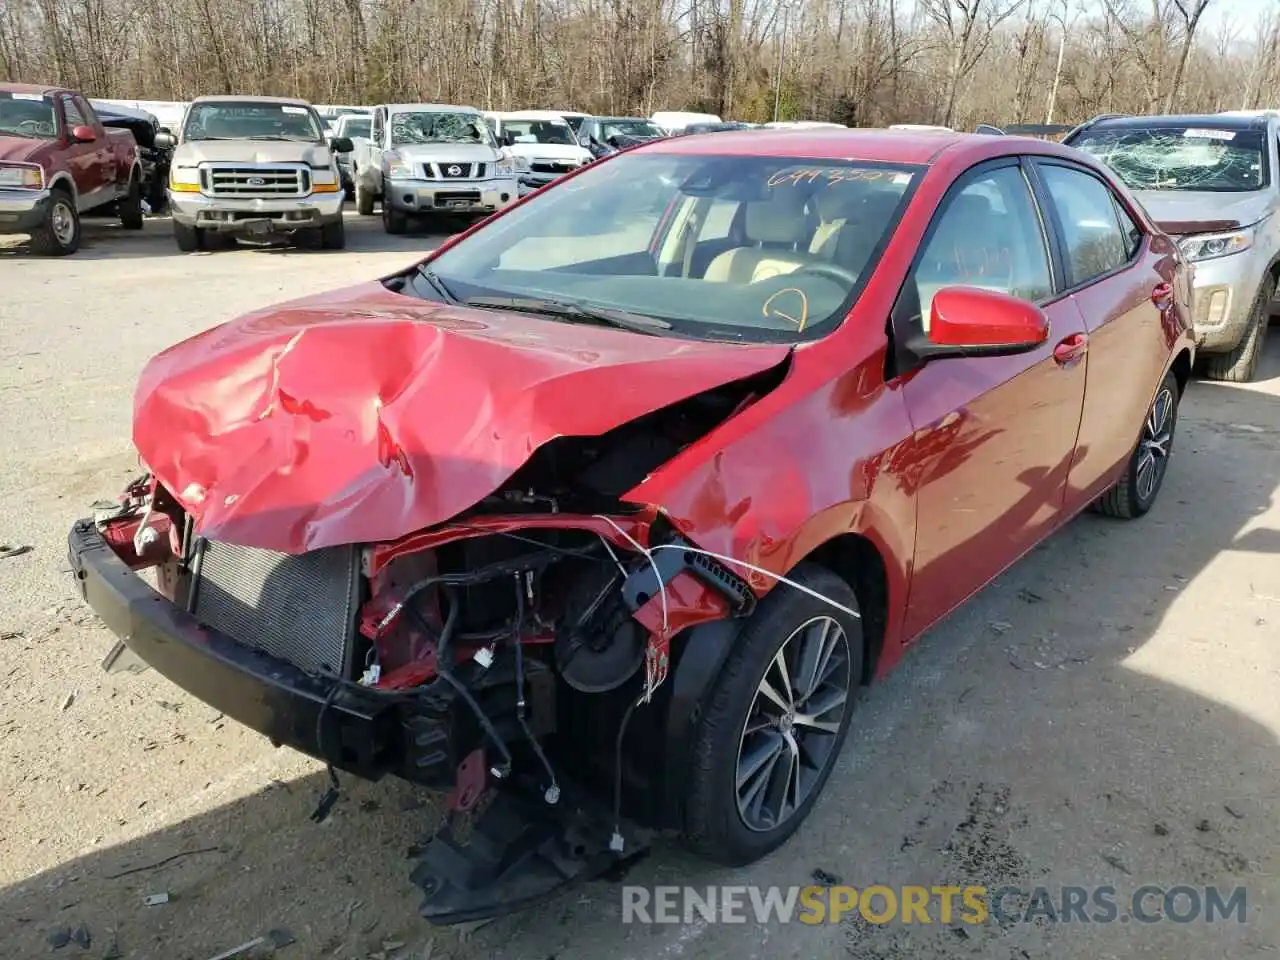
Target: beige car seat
(775, 229)
(853, 239)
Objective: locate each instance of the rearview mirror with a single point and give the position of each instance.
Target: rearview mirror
(972, 322)
(507, 139)
(341, 144)
(82, 133)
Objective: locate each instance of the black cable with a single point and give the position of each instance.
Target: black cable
(617, 761)
(552, 793)
(330, 796)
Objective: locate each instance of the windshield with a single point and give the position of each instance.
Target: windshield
(1181, 157)
(356, 127)
(432, 127)
(27, 115)
(628, 128)
(715, 247)
(575, 122)
(540, 131)
(247, 120)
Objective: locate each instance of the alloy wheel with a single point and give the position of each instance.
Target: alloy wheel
(793, 724)
(63, 222)
(1154, 447)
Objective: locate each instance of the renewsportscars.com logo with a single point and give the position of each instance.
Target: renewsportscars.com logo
(972, 904)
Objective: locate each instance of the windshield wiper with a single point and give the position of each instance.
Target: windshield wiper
(438, 285)
(623, 319)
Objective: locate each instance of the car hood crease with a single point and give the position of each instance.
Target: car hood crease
(363, 415)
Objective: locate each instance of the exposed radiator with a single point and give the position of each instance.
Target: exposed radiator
(300, 609)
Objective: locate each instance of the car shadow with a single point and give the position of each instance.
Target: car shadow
(1070, 725)
(105, 239)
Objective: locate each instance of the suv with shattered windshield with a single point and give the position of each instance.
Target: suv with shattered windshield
(1211, 182)
(427, 159)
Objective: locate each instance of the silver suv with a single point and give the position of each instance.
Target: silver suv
(1213, 183)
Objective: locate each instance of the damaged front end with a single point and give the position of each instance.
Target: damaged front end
(499, 656)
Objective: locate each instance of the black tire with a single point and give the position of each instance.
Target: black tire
(333, 235)
(1241, 364)
(188, 239)
(393, 221)
(130, 205)
(364, 201)
(715, 822)
(59, 233)
(1133, 495)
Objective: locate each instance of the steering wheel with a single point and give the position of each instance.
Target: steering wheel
(829, 270)
(35, 125)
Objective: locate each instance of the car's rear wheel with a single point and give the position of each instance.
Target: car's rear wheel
(1136, 491)
(1240, 365)
(773, 725)
(187, 238)
(130, 205)
(59, 233)
(364, 200)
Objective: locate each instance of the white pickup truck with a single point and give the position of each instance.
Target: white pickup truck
(543, 144)
(426, 159)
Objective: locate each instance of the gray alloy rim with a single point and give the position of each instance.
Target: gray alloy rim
(1153, 448)
(789, 737)
(63, 222)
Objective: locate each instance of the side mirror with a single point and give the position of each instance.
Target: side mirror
(507, 138)
(82, 133)
(971, 322)
(164, 140)
(341, 144)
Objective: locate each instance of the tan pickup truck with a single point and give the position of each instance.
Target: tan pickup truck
(256, 167)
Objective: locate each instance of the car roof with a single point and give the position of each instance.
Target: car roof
(532, 115)
(429, 108)
(41, 88)
(236, 98)
(901, 146)
(1215, 121)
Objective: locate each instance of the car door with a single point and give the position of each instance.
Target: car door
(1122, 287)
(108, 167)
(993, 436)
(83, 159)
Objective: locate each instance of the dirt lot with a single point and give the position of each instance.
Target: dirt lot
(1107, 713)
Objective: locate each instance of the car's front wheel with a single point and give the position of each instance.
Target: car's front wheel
(774, 722)
(364, 200)
(1239, 364)
(1136, 491)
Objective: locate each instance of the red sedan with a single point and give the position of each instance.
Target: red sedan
(600, 515)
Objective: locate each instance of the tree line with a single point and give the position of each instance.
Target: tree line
(857, 62)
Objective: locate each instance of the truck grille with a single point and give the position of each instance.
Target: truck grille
(251, 180)
(453, 171)
(300, 609)
(553, 166)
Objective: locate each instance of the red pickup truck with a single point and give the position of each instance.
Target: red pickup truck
(57, 162)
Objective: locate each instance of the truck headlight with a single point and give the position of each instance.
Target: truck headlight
(184, 179)
(399, 169)
(1210, 246)
(324, 181)
(510, 166)
(21, 176)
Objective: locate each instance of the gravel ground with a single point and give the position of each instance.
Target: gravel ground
(1106, 713)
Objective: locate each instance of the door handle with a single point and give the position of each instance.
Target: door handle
(1162, 295)
(1070, 349)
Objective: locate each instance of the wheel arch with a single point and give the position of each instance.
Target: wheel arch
(63, 179)
(1181, 369)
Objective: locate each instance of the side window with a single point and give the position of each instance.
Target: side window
(1096, 243)
(1132, 232)
(988, 235)
(72, 113)
(86, 110)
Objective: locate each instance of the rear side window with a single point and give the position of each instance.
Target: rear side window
(988, 235)
(1096, 242)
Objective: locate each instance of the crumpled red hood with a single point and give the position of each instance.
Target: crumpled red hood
(363, 415)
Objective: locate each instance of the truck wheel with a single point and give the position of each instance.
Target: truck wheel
(333, 236)
(59, 233)
(1240, 365)
(393, 221)
(187, 238)
(130, 205)
(773, 724)
(364, 201)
